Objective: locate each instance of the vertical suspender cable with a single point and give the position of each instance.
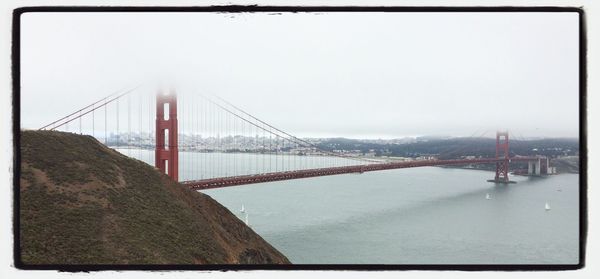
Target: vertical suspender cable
(210, 124)
(80, 122)
(181, 101)
(199, 139)
(105, 129)
(118, 134)
(193, 145)
(270, 152)
(149, 128)
(197, 150)
(128, 125)
(222, 143)
(205, 140)
(248, 150)
(276, 154)
(220, 146)
(93, 122)
(208, 163)
(227, 151)
(194, 137)
(214, 134)
(235, 148)
(263, 151)
(256, 150)
(140, 157)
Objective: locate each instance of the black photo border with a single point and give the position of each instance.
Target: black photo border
(16, 95)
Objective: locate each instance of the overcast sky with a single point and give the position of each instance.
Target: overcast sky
(359, 75)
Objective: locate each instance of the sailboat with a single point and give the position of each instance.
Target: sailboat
(547, 206)
(487, 196)
(242, 210)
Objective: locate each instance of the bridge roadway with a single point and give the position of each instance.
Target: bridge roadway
(221, 182)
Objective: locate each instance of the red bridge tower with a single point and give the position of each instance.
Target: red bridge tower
(166, 154)
(502, 153)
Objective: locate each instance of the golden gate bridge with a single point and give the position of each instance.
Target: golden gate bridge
(198, 127)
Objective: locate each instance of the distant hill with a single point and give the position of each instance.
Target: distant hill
(84, 203)
(451, 148)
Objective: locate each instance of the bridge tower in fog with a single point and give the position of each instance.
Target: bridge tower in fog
(166, 152)
(502, 153)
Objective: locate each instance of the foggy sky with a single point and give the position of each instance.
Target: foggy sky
(359, 75)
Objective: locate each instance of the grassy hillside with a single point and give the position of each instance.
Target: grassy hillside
(83, 203)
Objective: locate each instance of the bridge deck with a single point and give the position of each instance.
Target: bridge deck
(287, 175)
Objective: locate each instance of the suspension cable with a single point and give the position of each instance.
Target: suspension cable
(86, 107)
(291, 137)
(81, 113)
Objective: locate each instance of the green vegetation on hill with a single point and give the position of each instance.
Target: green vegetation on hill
(456, 147)
(84, 203)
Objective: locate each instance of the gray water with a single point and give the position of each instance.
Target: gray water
(426, 215)
(199, 165)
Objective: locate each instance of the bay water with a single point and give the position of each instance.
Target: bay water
(426, 215)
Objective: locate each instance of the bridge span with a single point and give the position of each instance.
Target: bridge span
(222, 182)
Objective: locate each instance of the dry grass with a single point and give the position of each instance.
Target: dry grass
(83, 203)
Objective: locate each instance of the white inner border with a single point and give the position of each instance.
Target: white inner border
(7, 270)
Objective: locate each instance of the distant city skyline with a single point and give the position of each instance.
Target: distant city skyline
(320, 75)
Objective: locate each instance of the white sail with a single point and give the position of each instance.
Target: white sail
(242, 210)
(487, 196)
(547, 206)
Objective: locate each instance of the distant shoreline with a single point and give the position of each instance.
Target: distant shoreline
(568, 164)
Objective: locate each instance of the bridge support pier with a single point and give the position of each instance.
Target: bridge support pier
(534, 167)
(538, 167)
(544, 165)
(166, 154)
